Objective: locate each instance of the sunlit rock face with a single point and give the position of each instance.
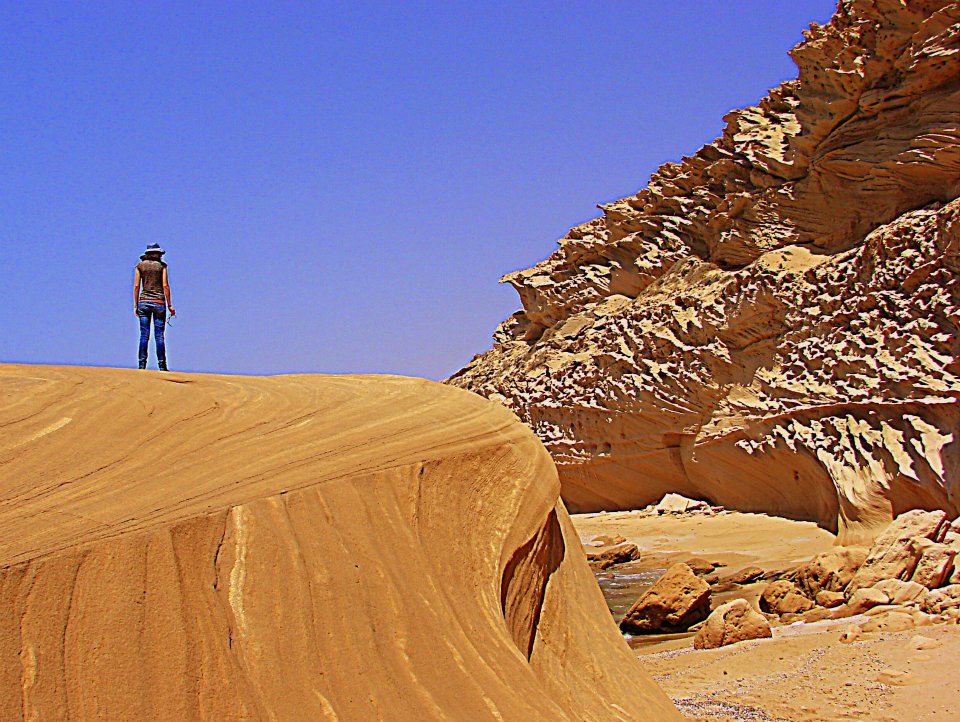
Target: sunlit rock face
(203, 548)
(771, 324)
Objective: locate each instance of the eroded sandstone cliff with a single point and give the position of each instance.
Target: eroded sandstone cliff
(771, 324)
(191, 547)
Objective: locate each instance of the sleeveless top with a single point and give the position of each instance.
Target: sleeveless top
(151, 276)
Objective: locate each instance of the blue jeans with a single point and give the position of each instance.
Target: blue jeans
(158, 312)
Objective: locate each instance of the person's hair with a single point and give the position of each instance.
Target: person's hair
(153, 256)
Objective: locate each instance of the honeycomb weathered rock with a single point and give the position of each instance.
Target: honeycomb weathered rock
(770, 324)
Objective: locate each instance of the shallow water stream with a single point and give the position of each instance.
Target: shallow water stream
(621, 590)
(625, 586)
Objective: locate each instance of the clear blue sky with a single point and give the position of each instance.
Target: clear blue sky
(339, 185)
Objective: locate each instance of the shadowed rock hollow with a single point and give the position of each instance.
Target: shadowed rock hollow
(771, 324)
(327, 548)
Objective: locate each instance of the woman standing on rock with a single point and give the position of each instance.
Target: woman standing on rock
(152, 302)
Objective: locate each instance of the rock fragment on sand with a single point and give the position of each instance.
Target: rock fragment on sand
(678, 504)
(745, 575)
(851, 634)
(676, 601)
(895, 554)
(732, 622)
(607, 540)
(783, 597)
(700, 566)
(605, 557)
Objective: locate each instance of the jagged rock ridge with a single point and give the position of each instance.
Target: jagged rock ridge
(771, 324)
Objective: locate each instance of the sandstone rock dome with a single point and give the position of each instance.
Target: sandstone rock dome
(192, 547)
(771, 324)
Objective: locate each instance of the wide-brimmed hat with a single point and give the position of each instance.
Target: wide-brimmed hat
(153, 248)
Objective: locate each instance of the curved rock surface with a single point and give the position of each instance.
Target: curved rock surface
(198, 547)
(733, 622)
(771, 324)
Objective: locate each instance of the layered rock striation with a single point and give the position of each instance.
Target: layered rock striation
(327, 548)
(771, 324)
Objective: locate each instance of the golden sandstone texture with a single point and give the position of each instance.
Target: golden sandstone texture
(772, 323)
(194, 547)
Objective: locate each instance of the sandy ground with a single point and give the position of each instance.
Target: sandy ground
(809, 676)
(732, 539)
(803, 674)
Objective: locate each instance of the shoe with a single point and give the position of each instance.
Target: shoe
(162, 367)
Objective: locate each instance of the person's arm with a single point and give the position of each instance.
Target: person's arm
(166, 292)
(136, 291)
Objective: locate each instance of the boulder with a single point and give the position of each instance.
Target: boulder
(608, 556)
(851, 634)
(831, 571)
(677, 504)
(745, 575)
(941, 600)
(900, 592)
(895, 554)
(676, 601)
(828, 599)
(783, 597)
(864, 599)
(732, 622)
(935, 563)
